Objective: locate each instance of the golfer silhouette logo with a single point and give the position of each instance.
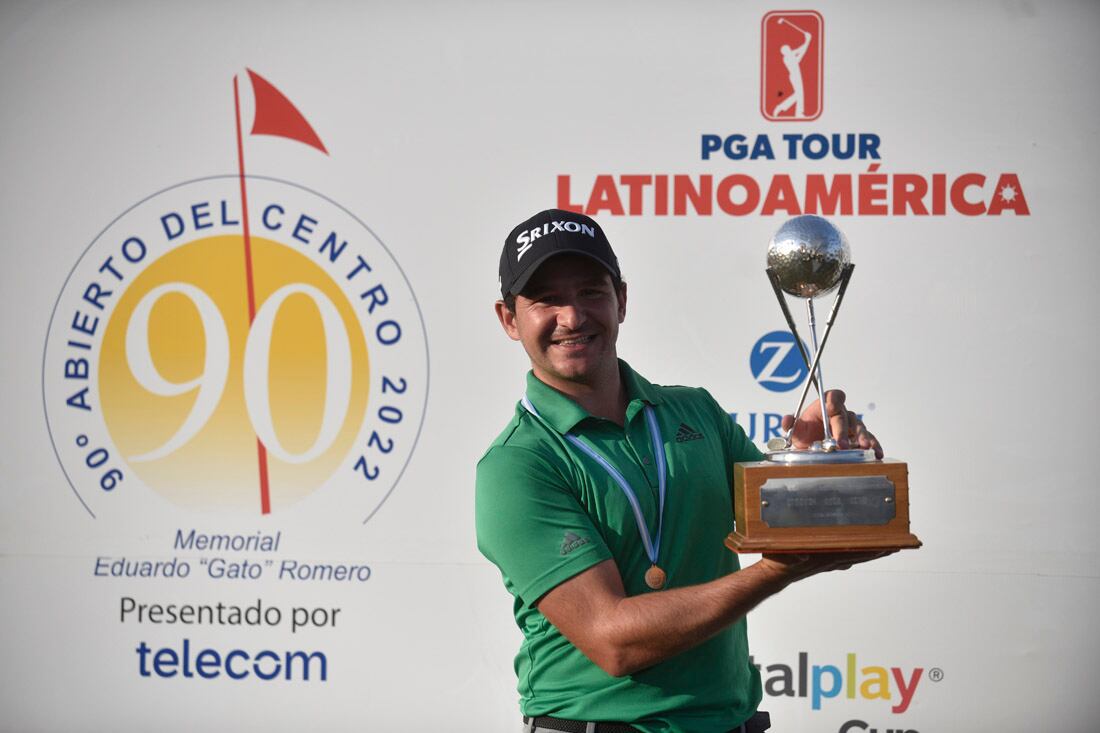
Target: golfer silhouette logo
(791, 65)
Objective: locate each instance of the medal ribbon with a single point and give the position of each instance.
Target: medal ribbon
(652, 546)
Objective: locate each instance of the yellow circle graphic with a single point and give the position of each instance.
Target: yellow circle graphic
(182, 373)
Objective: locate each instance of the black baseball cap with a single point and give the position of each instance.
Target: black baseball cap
(548, 233)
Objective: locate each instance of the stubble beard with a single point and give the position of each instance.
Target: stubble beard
(588, 378)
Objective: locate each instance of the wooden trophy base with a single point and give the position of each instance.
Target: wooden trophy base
(821, 507)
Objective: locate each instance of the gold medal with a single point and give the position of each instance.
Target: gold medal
(655, 577)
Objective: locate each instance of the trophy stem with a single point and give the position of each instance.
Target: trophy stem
(819, 374)
(845, 276)
(773, 277)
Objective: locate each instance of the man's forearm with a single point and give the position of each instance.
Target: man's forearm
(623, 634)
(643, 630)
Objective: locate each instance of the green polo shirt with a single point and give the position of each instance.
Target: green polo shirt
(546, 512)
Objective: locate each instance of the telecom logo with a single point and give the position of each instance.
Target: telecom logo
(236, 344)
(776, 363)
(792, 65)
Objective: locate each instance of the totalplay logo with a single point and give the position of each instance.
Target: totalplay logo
(821, 682)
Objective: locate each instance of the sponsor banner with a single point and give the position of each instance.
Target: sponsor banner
(252, 359)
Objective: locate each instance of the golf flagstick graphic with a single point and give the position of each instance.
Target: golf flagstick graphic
(274, 115)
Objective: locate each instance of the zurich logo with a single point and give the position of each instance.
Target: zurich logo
(775, 362)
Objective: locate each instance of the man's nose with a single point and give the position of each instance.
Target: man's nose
(571, 315)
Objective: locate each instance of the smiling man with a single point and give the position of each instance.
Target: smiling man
(605, 503)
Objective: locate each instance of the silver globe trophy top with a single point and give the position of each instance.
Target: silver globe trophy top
(809, 257)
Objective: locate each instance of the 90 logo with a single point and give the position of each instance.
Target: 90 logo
(154, 360)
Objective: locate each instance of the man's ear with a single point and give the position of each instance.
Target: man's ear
(507, 320)
(622, 302)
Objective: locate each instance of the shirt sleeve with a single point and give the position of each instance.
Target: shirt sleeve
(530, 524)
(739, 448)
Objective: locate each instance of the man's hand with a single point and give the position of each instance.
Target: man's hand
(794, 566)
(848, 430)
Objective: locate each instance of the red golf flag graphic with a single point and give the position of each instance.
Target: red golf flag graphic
(275, 115)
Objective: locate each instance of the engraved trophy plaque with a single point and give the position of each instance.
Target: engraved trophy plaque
(822, 498)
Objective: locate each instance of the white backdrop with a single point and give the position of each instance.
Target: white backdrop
(963, 340)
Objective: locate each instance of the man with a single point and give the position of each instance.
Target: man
(605, 503)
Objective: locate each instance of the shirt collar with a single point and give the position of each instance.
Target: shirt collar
(563, 414)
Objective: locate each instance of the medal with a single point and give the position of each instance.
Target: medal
(655, 577)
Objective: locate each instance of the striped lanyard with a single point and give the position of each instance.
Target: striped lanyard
(655, 576)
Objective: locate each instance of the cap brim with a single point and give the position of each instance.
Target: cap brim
(521, 282)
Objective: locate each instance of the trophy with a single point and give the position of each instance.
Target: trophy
(822, 498)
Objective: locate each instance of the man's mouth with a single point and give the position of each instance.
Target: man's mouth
(574, 340)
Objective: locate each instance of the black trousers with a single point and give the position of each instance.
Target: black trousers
(758, 723)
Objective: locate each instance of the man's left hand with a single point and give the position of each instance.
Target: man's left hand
(848, 430)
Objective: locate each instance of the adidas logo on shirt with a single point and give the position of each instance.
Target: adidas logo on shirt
(571, 542)
(686, 433)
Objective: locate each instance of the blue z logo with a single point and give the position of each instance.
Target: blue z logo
(775, 362)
